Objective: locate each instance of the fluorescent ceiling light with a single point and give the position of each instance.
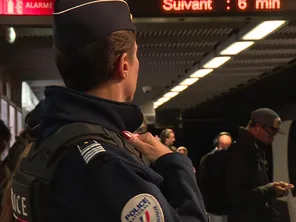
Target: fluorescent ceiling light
(189, 81)
(263, 29)
(216, 62)
(179, 88)
(171, 94)
(201, 73)
(236, 48)
(156, 105)
(163, 99)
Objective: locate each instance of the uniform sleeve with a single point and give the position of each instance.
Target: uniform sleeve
(238, 174)
(129, 196)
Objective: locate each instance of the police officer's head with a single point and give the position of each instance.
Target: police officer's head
(95, 47)
(264, 124)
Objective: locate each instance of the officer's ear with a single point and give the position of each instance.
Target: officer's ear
(123, 66)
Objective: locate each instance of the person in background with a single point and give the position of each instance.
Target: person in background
(183, 150)
(167, 137)
(210, 174)
(5, 137)
(19, 150)
(28, 135)
(247, 189)
(222, 141)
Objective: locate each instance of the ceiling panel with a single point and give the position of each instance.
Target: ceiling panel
(167, 51)
(277, 50)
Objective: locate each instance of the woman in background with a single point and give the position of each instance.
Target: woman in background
(19, 150)
(183, 150)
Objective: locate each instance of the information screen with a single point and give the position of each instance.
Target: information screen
(164, 8)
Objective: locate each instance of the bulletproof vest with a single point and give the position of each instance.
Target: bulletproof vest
(30, 185)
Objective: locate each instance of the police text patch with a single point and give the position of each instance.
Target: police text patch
(142, 208)
(89, 149)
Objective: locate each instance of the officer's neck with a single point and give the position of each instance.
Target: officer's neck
(112, 92)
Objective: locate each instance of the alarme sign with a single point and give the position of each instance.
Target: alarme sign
(27, 7)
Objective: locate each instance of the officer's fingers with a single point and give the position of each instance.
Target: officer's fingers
(278, 187)
(147, 144)
(134, 140)
(286, 185)
(148, 138)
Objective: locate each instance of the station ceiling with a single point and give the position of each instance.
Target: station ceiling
(168, 51)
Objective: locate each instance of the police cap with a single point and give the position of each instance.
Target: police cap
(78, 23)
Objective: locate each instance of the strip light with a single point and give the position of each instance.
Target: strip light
(170, 94)
(201, 73)
(189, 81)
(216, 62)
(236, 47)
(263, 29)
(179, 88)
(259, 32)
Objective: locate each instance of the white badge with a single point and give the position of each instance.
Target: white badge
(142, 208)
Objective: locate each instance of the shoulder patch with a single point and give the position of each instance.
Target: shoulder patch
(142, 208)
(89, 149)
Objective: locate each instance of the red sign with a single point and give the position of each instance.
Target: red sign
(27, 7)
(1, 7)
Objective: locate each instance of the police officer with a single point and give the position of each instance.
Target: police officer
(104, 179)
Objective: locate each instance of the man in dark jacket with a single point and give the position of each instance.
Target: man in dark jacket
(210, 174)
(246, 184)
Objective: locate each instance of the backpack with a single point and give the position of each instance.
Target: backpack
(32, 180)
(211, 180)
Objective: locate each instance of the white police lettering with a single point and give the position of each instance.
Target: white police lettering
(19, 204)
(142, 208)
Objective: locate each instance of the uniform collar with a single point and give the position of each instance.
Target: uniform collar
(67, 106)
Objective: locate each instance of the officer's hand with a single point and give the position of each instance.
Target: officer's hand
(147, 144)
(281, 188)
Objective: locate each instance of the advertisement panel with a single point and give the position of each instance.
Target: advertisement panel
(27, 7)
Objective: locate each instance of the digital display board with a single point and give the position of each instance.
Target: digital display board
(164, 8)
(175, 8)
(27, 7)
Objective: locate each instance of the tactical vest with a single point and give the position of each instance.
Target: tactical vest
(31, 182)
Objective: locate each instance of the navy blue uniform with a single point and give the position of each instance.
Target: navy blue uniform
(100, 182)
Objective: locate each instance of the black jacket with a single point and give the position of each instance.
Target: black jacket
(210, 176)
(245, 181)
(107, 183)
